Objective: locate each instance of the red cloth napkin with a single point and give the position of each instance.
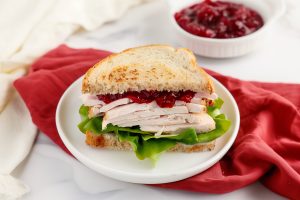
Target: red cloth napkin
(267, 147)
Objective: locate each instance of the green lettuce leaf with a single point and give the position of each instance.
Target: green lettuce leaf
(135, 129)
(86, 124)
(214, 110)
(222, 125)
(188, 136)
(150, 148)
(127, 137)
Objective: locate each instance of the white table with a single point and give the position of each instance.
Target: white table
(52, 174)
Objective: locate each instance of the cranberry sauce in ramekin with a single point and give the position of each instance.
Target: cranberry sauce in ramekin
(219, 19)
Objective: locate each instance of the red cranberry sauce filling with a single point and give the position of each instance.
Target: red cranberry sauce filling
(219, 19)
(164, 99)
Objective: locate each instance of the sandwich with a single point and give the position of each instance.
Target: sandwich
(150, 100)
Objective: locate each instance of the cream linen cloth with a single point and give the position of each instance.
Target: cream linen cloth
(29, 28)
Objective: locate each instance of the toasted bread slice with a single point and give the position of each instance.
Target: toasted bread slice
(153, 67)
(110, 141)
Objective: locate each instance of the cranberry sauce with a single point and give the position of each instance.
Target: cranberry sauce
(164, 99)
(219, 19)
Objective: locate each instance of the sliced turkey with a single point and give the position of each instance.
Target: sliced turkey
(127, 109)
(114, 104)
(195, 108)
(206, 124)
(162, 120)
(94, 111)
(207, 96)
(91, 100)
(180, 103)
(180, 107)
(153, 112)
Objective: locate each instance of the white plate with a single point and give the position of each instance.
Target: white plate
(125, 166)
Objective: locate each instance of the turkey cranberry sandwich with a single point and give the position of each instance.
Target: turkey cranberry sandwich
(151, 99)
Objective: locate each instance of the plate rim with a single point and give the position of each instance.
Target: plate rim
(151, 178)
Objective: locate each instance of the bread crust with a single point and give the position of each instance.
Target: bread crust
(110, 141)
(152, 67)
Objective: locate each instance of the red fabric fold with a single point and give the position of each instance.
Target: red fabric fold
(267, 147)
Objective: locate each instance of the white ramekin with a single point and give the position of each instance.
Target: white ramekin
(270, 10)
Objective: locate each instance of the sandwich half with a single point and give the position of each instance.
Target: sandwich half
(151, 99)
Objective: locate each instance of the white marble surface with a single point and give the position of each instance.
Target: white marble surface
(52, 174)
